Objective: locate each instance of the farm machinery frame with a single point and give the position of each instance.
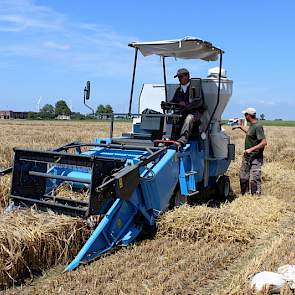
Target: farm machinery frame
(133, 178)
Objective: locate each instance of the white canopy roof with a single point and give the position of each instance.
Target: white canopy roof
(186, 48)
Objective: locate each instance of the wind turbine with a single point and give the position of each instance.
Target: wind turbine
(38, 104)
(71, 105)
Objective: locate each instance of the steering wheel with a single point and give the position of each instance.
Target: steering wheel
(171, 106)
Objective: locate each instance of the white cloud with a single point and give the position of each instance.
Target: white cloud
(54, 45)
(10, 23)
(40, 32)
(23, 15)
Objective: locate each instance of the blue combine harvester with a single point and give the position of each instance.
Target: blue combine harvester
(132, 179)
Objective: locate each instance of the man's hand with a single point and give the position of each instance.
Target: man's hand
(182, 103)
(259, 146)
(248, 151)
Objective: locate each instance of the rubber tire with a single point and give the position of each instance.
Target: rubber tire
(223, 187)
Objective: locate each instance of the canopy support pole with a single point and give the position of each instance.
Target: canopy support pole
(218, 92)
(133, 78)
(165, 81)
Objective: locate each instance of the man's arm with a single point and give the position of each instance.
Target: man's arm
(243, 128)
(260, 136)
(259, 146)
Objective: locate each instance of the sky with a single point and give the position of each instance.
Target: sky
(50, 48)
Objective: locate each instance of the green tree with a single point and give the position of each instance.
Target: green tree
(77, 116)
(104, 109)
(108, 109)
(90, 117)
(100, 109)
(47, 112)
(33, 115)
(61, 108)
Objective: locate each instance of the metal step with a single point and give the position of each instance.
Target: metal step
(189, 173)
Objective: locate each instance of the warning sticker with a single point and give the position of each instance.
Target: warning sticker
(121, 182)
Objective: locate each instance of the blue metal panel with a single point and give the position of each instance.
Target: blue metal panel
(191, 168)
(117, 226)
(134, 155)
(158, 190)
(71, 171)
(193, 159)
(197, 158)
(103, 140)
(182, 178)
(81, 175)
(97, 240)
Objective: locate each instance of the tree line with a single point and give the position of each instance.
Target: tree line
(103, 109)
(49, 112)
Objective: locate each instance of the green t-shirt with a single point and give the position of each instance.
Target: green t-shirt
(254, 136)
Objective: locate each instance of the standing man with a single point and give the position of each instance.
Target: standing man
(255, 142)
(192, 106)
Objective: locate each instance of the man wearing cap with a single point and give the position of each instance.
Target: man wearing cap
(255, 142)
(192, 107)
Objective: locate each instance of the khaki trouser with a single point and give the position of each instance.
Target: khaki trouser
(187, 127)
(250, 173)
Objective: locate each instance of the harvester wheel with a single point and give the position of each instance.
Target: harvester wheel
(223, 187)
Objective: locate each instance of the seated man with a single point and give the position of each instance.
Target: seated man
(192, 107)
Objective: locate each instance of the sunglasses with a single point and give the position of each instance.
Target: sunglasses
(181, 76)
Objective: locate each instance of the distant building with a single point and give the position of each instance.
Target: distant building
(237, 121)
(6, 114)
(63, 117)
(13, 115)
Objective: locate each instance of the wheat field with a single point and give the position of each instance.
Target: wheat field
(196, 250)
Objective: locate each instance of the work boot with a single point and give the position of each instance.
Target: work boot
(178, 145)
(244, 185)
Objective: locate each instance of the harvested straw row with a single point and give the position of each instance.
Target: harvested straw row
(279, 252)
(239, 221)
(279, 180)
(154, 267)
(259, 211)
(175, 263)
(272, 228)
(4, 191)
(208, 224)
(31, 242)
